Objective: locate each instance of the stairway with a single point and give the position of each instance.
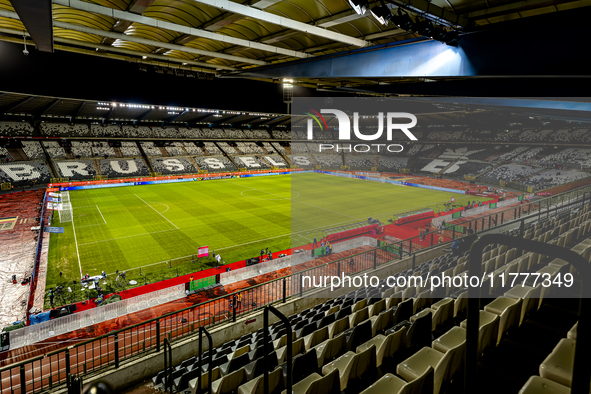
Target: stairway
(145, 157)
(17, 154)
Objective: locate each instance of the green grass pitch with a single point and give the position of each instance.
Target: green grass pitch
(125, 228)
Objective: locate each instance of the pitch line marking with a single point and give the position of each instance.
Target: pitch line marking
(76, 242)
(101, 214)
(156, 211)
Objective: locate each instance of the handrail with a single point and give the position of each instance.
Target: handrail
(287, 326)
(167, 366)
(581, 372)
(209, 359)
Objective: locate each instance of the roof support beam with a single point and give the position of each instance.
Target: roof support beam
(15, 106)
(145, 41)
(108, 48)
(281, 21)
(172, 118)
(142, 116)
(81, 5)
(48, 107)
(75, 114)
(37, 17)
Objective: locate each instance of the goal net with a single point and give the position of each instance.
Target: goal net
(65, 213)
(65, 197)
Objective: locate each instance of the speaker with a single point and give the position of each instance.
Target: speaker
(5, 341)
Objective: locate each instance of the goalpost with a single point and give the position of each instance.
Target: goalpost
(65, 213)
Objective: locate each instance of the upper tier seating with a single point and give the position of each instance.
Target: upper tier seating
(97, 130)
(213, 133)
(165, 132)
(16, 129)
(234, 133)
(65, 130)
(190, 133)
(256, 134)
(137, 131)
(281, 135)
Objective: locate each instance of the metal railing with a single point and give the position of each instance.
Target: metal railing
(95, 355)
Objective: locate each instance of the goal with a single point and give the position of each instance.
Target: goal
(65, 197)
(66, 212)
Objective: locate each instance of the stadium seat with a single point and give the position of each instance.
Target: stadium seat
(539, 385)
(558, 366)
(316, 384)
(391, 384)
(256, 386)
(386, 346)
(415, 365)
(215, 375)
(509, 311)
(352, 365)
(488, 331)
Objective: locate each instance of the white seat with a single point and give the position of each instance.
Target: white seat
(387, 346)
(530, 297)
(418, 363)
(558, 366)
(538, 385)
(487, 332)
(572, 333)
(509, 311)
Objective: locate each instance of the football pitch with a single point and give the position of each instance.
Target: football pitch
(157, 226)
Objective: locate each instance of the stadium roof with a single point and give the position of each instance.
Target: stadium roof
(224, 37)
(69, 110)
(433, 111)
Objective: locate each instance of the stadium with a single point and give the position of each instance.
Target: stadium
(310, 197)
